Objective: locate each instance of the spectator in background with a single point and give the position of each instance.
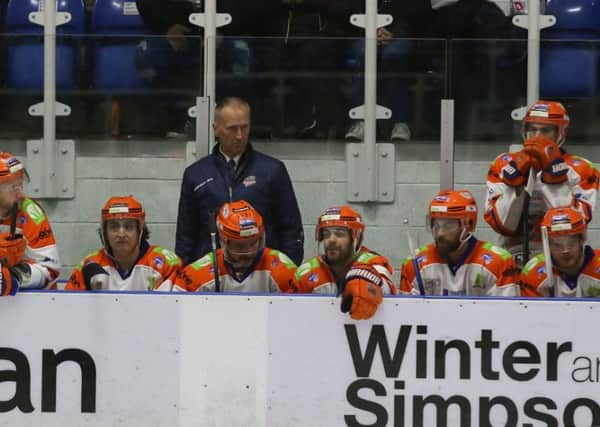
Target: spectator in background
(27, 244)
(394, 55)
(575, 265)
(235, 171)
(558, 178)
(457, 263)
(127, 262)
(243, 263)
(346, 267)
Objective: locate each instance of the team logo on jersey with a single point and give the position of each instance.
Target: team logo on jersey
(313, 277)
(432, 286)
(541, 270)
(275, 262)
(249, 180)
(421, 259)
(158, 262)
(506, 158)
(487, 258)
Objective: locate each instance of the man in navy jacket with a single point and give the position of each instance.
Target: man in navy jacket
(235, 171)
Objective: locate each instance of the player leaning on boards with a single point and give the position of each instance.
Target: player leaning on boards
(344, 266)
(575, 265)
(243, 263)
(27, 244)
(457, 263)
(127, 262)
(557, 179)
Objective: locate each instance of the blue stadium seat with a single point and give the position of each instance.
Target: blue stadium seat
(118, 28)
(26, 46)
(569, 59)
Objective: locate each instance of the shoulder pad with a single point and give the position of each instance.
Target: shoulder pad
(170, 256)
(282, 257)
(306, 267)
(33, 211)
(501, 252)
(207, 259)
(533, 262)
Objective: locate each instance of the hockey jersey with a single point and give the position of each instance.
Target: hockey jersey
(315, 275)
(535, 283)
(154, 270)
(41, 252)
(503, 207)
(483, 270)
(271, 272)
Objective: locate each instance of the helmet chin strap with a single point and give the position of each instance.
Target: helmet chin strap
(464, 237)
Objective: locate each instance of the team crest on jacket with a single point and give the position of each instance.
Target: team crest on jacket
(249, 180)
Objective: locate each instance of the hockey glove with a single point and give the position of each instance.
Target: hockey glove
(549, 157)
(9, 284)
(516, 172)
(95, 277)
(11, 250)
(362, 292)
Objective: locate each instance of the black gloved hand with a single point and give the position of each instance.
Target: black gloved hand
(95, 277)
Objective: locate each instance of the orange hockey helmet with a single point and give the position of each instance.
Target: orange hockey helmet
(342, 216)
(239, 221)
(564, 221)
(10, 167)
(452, 204)
(123, 207)
(550, 113)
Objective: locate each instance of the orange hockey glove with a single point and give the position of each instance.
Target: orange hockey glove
(11, 251)
(548, 156)
(516, 172)
(362, 292)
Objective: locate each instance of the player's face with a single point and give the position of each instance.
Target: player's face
(241, 253)
(446, 235)
(123, 236)
(337, 244)
(10, 192)
(541, 129)
(232, 127)
(567, 252)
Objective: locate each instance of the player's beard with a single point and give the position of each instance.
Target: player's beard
(445, 247)
(336, 254)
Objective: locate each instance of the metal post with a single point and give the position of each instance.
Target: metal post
(533, 22)
(49, 95)
(447, 145)
(370, 98)
(210, 20)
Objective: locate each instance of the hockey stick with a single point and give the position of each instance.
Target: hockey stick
(548, 259)
(13, 220)
(525, 214)
(212, 229)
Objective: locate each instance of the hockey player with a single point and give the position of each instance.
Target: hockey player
(558, 178)
(127, 262)
(27, 244)
(457, 263)
(575, 265)
(243, 263)
(345, 267)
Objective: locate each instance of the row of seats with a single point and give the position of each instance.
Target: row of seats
(568, 69)
(112, 58)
